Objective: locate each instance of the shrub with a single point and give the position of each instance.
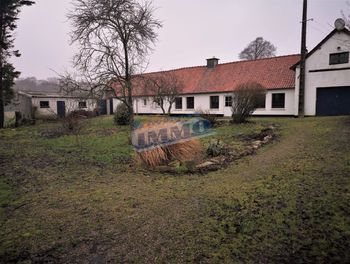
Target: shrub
(245, 100)
(122, 115)
(82, 113)
(72, 124)
(205, 114)
(216, 148)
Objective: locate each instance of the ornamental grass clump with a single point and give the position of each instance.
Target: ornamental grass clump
(182, 151)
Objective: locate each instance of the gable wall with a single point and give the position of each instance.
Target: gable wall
(320, 60)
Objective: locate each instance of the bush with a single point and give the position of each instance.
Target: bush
(216, 148)
(122, 115)
(72, 124)
(82, 113)
(212, 118)
(245, 100)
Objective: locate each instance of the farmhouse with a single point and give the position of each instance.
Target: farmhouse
(209, 88)
(51, 105)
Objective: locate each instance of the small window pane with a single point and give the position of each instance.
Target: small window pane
(278, 100)
(339, 58)
(44, 104)
(214, 102)
(228, 101)
(178, 103)
(144, 102)
(190, 102)
(82, 105)
(260, 101)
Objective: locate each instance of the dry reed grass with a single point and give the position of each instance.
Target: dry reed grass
(190, 150)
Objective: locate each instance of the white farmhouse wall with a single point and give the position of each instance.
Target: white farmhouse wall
(288, 104)
(71, 105)
(202, 102)
(319, 60)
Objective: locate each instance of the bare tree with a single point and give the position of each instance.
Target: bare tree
(164, 88)
(258, 49)
(246, 98)
(346, 17)
(83, 88)
(115, 37)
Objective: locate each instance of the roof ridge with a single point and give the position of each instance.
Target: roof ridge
(225, 63)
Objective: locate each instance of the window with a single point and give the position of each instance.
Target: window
(82, 104)
(260, 101)
(190, 102)
(178, 103)
(44, 104)
(144, 101)
(278, 100)
(338, 58)
(228, 101)
(214, 102)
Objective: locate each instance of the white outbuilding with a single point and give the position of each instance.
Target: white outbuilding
(51, 105)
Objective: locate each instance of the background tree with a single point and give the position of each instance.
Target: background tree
(115, 37)
(346, 17)
(258, 49)
(8, 81)
(245, 100)
(32, 84)
(9, 11)
(164, 88)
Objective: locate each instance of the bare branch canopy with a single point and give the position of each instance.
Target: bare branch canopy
(115, 38)
(164, 88)
(258, 49)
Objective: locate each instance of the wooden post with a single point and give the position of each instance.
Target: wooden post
(301, 107)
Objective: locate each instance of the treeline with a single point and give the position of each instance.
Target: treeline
(33, 84)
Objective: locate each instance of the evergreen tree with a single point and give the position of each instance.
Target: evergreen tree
(9, 11)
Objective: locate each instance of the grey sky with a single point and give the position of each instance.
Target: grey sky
(193, 30)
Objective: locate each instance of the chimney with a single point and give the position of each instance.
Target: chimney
(212, 63)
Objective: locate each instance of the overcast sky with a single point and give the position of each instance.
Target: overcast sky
(193, 30)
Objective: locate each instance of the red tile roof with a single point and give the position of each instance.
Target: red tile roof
(272, 73)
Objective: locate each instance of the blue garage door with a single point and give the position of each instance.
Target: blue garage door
(332, 101)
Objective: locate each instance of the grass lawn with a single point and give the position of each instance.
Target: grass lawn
(64, 202)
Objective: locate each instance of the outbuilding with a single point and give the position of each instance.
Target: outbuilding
(51, 105)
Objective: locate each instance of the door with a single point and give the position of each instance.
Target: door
(332, 101)
(61, 109)
(111, 106)
(102, 107)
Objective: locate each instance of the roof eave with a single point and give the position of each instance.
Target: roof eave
(345, 30)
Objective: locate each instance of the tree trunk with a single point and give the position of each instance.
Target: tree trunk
(131, 109)
(169, 108)
(2, 111)
(162, 107)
